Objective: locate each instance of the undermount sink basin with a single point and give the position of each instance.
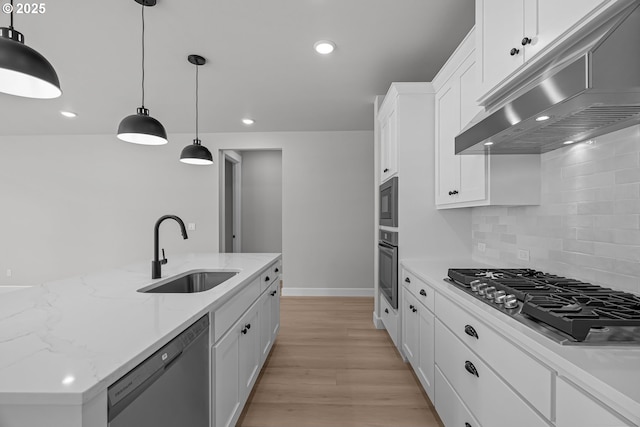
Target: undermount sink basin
(198, 281)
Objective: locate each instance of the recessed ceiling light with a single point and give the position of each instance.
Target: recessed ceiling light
(248, 121)
(542, 118)
(568, 142)
(488, 143)
(324, 47)
(69, 114)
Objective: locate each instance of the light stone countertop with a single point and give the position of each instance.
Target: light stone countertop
(65, 341)
(611, 374)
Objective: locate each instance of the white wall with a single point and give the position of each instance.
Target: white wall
(327, 207)
(82, 203)
(587, 225)
(76, 204)
(261, 201)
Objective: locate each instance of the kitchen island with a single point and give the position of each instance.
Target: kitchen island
(64, 342)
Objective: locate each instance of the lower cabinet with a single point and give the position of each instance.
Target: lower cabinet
(239, 354)
(418, 334)
(451, 409)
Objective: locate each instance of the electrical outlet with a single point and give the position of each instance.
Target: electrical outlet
(191, 226)
(482, 247)
(523, 255)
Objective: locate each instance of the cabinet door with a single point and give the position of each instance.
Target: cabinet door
(274, 296)
(501, 28)
(426, 355)
(249, 349)
(266, 333)
(447, 127)
(546, 20)
(410, 328)
(226, 385)
(389, 146)
(473, 183)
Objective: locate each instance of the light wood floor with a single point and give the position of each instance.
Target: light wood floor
(330, 367)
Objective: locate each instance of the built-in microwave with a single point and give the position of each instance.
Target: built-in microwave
(389, 202)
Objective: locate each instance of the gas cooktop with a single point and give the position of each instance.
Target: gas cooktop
(566, 310)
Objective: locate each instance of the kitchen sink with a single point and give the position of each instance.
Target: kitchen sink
(191, 282)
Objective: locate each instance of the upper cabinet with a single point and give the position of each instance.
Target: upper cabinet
(388, 143)
(513, 35)
(474, 180)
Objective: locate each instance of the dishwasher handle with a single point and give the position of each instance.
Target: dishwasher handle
(124, 391)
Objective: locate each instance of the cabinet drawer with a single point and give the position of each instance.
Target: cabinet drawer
(450, 408)
(423, 292)
(484, 393)
(231, 311)
(532, 380)
(390, 319)
(576, 408)
(269, 275)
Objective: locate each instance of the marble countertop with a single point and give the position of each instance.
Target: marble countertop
(65, 341)
(612, 374)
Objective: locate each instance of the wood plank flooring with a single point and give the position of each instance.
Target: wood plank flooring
(330, 367)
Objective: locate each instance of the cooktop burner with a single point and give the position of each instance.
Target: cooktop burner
(582, 311)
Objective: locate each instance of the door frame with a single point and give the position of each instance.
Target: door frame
(236, 159)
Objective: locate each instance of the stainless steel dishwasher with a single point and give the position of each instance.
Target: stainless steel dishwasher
(170, 388)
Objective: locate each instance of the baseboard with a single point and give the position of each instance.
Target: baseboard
(327, 292)
(377, 321)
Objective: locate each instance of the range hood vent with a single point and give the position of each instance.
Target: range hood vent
(589, 90)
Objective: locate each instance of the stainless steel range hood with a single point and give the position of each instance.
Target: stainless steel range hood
(591, 89)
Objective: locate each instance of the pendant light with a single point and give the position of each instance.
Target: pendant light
(23, 71)
(141, 128)
(196, 153)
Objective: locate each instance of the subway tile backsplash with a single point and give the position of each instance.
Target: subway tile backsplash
(588, 223)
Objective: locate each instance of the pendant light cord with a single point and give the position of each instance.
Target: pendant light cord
(142, 54)
(11, 22)
(197, 100)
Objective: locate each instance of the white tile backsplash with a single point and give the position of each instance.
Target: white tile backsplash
(588, 223)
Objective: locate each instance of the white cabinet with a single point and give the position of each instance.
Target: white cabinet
(269, 319)
(390, 319)
(474, 180)
(576, 408)
(512, 33)
(418, 331)
(451, 410)
(249, 348)
(388, 143)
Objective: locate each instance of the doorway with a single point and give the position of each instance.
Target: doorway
(230, 202)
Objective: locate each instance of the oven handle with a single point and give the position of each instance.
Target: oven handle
(385, 245)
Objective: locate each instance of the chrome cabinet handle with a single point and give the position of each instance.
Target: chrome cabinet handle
(471, 369)
(469, 330)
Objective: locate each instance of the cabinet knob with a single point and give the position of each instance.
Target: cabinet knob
(406, 279)
(423, 292)
(273, 293)
(244, 331)
(411, 307)
(514, 51)
(414, 309)
(453, 192)
(248, 326)
(385, 170)
(469, 330)
(386, 310)
(277, 270)
(471, 369)
(526, 41)
(467, 425)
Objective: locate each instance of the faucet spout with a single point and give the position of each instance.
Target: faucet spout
(156, 264)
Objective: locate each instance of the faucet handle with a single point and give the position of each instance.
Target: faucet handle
(164, 259)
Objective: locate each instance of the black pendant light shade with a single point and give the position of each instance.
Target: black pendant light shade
(141, 128)
(23, 71)
(196, 153)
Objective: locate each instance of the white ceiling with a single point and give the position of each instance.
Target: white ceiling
(261, 62)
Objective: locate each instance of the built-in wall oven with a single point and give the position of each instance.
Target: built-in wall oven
(388, 266)
(389, 202)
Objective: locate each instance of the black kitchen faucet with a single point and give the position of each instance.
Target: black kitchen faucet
(156, 264)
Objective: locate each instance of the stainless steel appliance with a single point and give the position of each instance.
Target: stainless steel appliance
(565, 310)
(389, 202)
(170, 388)
(388, 266)
(589, 89)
